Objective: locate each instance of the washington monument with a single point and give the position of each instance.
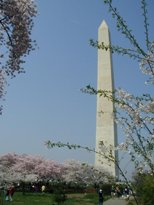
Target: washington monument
(105, 126)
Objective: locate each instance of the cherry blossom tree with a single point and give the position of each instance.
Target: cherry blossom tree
(49, 170)
(16, 23)
(29, 168)
(82, 173)
(14, 167)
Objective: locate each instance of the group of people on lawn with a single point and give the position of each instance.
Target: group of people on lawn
(125, 193)
(10, 191)
(114, 192)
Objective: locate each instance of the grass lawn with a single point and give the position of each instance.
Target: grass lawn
(30, 199)
(47, 199)
(87, 199)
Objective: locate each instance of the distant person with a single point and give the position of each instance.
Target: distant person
(43, 188)
(126, 192)
(100, 197)
(9, 193)
(117, 191)
(112, 191)
(36, 188)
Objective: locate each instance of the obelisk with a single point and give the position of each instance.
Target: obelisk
(105, 126)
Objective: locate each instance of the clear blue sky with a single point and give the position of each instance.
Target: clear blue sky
(46, 102)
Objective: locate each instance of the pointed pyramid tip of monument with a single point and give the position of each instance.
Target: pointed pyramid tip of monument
(103, 24)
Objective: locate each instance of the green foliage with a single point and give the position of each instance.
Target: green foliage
(146, 24)
(135, 50)
(59, 196)
(144, 184)
(105, 187)
(131, 203)
(126, 31)
(51, 144)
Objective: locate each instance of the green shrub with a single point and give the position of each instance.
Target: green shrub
(59, 196)
(144, 184)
